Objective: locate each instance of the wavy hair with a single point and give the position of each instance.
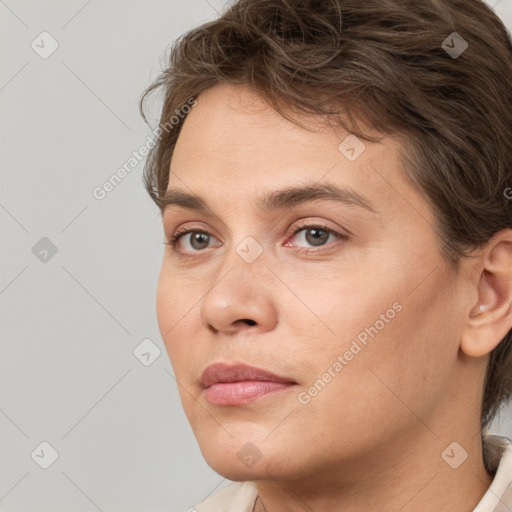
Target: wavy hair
(386, 62)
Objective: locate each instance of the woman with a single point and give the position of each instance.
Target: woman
(335, 291)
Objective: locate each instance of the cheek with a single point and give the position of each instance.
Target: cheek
(165, 305)
(397, 343)
(408, 365)
(326, 315)
(174, 311)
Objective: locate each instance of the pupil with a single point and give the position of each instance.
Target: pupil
(317, 240)
(197, 238)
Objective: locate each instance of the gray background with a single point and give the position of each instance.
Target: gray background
(71, 321)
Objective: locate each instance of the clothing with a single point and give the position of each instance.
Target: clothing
(498, 458)
(497, 452)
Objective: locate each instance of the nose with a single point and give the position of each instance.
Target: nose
(240, 298)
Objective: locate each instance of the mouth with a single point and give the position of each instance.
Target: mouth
(239, 384)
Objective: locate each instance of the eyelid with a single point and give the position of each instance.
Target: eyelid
(341, 237)
(321, 224)
(182, 231)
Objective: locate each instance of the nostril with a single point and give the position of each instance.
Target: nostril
(249, 321)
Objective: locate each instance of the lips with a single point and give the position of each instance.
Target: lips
(222, 372)
(225, 384)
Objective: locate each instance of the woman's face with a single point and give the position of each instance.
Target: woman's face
(357, 310)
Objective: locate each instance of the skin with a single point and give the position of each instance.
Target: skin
(373, 437)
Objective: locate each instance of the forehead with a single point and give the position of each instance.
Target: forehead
(229, 117)
(233, 144)
(232, 127)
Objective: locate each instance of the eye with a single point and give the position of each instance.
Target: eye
(316, 235)
(198, 240)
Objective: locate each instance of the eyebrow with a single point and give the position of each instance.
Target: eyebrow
(276, 200)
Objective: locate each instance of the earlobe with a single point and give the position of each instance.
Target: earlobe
(490, 319)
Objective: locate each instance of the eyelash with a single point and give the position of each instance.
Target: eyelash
(340, 236)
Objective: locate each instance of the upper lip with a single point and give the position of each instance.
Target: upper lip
(223, 372)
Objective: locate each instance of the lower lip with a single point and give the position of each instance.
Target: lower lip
(243, 392)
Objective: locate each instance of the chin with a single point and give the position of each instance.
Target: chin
(239, 459)
(238, 463)
(237, 472)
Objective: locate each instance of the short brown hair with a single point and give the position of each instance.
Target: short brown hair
(388, 63)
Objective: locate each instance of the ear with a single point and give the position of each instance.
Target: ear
(490, 319)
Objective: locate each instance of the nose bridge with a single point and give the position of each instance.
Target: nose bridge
(247, 257)
(246, 251)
